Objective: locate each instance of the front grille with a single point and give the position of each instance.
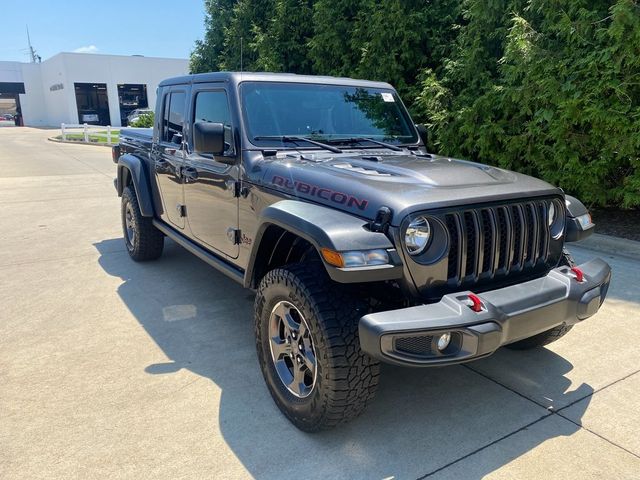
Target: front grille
(496, 240)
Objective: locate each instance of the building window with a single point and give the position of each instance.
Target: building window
(93, 103)
(133, 101)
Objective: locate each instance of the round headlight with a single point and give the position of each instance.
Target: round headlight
(556, 219)
(416, 237)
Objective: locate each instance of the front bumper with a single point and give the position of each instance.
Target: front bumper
(409, 336)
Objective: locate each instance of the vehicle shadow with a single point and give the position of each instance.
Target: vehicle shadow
(421, 420)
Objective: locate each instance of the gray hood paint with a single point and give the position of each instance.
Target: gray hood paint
(406, 183)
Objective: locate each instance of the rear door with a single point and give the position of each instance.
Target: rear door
(169, 156)
(210, 184)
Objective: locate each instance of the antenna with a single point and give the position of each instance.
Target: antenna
(241, 54)
(35, 58)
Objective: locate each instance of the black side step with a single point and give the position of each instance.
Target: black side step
(213, 260)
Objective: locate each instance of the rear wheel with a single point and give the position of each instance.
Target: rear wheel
(142, 239)
(549, 336)
(308, 347)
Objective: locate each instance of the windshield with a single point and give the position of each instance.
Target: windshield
(326, 113)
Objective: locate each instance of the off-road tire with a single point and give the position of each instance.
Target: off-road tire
(346, 378)
(549, 336)
(148, 241)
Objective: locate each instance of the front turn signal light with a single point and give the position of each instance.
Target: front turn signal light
(332, 257)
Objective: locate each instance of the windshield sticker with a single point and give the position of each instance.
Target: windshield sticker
(387, 97)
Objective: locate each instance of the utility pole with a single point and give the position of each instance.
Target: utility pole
(35, 58)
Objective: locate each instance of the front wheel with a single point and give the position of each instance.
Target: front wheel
(308, 347)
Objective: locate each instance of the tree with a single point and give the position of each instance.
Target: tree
(545, 90)
(249, 19)
(331, 49)
(397, 39)
(206, 54)
(283, 46)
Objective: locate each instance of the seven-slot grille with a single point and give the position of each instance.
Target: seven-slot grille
(497, 240)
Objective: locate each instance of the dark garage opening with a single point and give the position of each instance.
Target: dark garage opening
(93, 103)
(10, 111)
(131, 96)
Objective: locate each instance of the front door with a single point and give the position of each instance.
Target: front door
(169, 158)
(209, 183)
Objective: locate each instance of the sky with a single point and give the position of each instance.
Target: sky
(156, 28)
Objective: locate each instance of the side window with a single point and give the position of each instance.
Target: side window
(165, 117)
(214, 107)
(173, 117)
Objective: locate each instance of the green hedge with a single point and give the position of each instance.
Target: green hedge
(545, 87)
(143, 121)
(551, 89)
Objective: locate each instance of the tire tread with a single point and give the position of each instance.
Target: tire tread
(149, 240)
(352, 378)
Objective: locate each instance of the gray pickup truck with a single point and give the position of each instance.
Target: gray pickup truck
(318, 193)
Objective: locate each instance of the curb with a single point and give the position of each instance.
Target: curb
(93, 144)
(610, 245)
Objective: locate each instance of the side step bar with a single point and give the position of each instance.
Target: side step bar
(213, 260)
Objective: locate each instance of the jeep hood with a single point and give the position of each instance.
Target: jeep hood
(406, 183)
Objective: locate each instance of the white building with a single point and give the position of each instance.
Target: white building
(84, 88)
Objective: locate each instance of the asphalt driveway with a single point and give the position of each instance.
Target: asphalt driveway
(112, 369)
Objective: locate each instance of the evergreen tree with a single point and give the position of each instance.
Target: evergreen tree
(397, 39)
(206, 53)
(283, 46)
(249, 19)
(548, 91)
(331, 49)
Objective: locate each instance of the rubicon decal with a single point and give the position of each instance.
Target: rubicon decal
(320, 192)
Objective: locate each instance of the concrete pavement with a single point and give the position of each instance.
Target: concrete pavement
(114, 369)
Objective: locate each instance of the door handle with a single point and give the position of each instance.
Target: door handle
(189, 174)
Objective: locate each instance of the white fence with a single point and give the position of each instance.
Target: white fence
(71, 132)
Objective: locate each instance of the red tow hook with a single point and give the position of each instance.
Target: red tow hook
(579, 274)
(476, 303)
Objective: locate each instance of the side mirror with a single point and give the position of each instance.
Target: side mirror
(422, 131)
(208, 138)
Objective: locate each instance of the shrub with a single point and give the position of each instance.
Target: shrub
(143, 121)
(548, 91)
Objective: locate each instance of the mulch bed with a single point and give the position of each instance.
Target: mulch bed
(619, 223)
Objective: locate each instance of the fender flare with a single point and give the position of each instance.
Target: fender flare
(574, 229)
(324, 227)
(575, 207)
(130, 166)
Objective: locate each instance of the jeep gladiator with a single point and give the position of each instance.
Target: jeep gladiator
(362, 247)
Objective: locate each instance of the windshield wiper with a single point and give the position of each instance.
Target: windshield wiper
(294, 139)
(365, 139)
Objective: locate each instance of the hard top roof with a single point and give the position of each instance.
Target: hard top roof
(237, 77)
